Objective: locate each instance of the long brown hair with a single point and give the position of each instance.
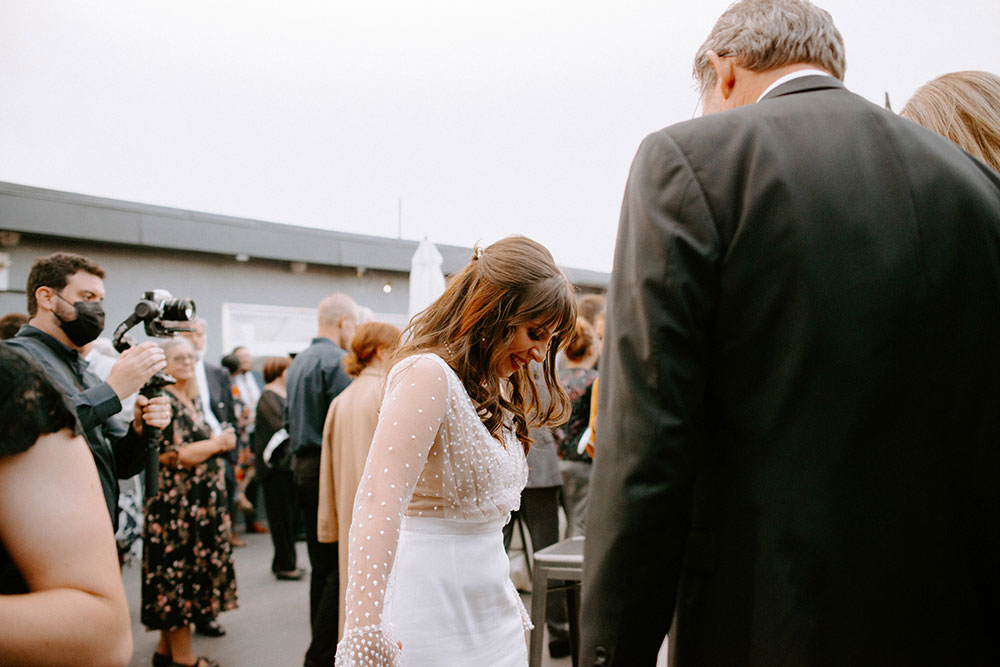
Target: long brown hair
(512, 282)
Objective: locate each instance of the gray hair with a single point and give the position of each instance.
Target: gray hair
(768, 34)
(168, 344)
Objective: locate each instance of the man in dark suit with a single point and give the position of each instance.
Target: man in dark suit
(797, 445)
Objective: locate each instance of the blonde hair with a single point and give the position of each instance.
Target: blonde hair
(512, 282)
(768, 34)
(964, 107)
(170, 343)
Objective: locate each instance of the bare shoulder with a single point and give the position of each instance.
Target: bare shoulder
(58, 474)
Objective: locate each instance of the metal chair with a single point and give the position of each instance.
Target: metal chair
(563, 561)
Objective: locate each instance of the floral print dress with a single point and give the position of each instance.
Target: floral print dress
(187, 565)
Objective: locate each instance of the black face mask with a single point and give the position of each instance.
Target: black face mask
(87, 326)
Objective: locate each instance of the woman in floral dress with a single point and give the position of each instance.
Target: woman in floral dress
(187, 567)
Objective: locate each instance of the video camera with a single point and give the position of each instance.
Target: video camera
(160, 313)
(155, 310)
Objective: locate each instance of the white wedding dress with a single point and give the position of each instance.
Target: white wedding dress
(427, 567)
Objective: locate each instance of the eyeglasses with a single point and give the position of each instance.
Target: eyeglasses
(182, 358)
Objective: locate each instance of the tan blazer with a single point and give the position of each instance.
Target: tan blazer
(347, 436)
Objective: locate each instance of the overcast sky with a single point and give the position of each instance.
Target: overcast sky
(483, 119)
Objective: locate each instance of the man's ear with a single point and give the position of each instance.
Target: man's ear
(725, 72)
(44, 296)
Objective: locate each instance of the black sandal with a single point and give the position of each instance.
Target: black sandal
(200, 661)
(161, 660)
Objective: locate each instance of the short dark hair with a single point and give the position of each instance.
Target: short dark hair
(230, 363)
(10, 323)
(54, 271)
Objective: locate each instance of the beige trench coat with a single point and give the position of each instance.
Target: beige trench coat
(347, 436)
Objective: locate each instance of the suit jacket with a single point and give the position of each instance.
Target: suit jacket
(800, 396)
(220, 392)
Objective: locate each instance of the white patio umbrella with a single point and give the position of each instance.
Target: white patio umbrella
(426, 278)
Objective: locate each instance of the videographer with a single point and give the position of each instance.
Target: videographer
(65, 294)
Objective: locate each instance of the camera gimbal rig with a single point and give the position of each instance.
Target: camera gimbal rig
(154, 311)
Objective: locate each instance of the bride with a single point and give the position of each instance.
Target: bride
(428, 578)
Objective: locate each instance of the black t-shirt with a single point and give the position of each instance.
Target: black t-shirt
(30, 406)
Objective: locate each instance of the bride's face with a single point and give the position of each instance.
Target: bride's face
(529, 344)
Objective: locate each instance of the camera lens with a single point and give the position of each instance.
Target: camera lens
(178, 310)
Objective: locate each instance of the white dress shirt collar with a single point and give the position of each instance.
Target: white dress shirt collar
(797, 74)
(205, 397)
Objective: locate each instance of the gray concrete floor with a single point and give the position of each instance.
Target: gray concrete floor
(271, 626)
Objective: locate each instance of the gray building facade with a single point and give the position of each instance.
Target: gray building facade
(256, 283)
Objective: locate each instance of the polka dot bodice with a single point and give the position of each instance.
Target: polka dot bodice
(431, 456)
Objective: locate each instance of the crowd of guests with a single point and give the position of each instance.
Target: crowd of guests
(295, 436)
(228, 431)
(221, 431)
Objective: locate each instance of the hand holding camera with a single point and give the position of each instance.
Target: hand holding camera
(139, 368)
(134, 368)
(152, 411)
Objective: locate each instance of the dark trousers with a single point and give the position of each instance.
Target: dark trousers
(324, 580)
(282, 509)
(540, 513)
(252, 493)
(230, 476)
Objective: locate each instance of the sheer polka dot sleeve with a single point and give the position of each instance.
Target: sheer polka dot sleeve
(411, 415)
